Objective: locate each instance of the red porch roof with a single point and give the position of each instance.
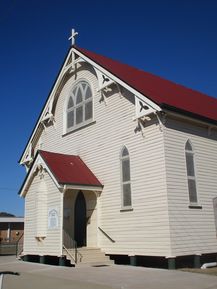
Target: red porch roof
(163, 92)
(69, 169)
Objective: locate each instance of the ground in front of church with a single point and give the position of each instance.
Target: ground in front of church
(34, 275)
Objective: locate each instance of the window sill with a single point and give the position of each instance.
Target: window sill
(76, 128)
(40, 238)
(126, 209)
(195, 206)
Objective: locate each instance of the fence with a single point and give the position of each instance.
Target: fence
(12, 248)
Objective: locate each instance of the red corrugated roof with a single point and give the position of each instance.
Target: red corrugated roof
(162, 92)
(69, 169)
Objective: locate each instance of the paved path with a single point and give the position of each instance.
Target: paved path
(34, 276)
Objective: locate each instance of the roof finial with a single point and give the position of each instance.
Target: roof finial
(72, 37)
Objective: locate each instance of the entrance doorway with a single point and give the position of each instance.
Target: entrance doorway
(80, 220)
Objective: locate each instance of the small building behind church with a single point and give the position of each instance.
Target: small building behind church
(123, 163)
(11, 229)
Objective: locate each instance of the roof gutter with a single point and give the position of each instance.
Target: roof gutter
(83, 187)
(188, 115)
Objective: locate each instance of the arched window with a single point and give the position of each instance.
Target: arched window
(125, 178)
(79, 109)
(192, 188)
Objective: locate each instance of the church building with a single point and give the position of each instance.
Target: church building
(123, 164)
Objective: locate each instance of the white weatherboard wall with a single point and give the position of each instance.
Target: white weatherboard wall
(192, 230)
(50, 244)
(145, 229)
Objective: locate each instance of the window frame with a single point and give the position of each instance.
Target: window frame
(84, 122)
(191, 153)
(122, 158)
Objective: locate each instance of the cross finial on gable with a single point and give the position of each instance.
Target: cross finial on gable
(72, 37)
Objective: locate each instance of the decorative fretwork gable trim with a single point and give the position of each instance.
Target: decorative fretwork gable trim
(105, 80)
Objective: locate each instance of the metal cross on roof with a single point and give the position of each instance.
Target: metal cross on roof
(72, 37)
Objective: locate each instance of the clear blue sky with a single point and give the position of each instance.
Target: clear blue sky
(175, 39)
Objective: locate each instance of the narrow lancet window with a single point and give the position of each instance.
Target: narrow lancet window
(192, 188)
(125, 178)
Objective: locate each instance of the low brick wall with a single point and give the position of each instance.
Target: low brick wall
(8, 249)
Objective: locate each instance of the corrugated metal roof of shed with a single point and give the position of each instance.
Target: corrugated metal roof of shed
(11, 220)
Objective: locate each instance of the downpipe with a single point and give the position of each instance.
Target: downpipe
(208, 265)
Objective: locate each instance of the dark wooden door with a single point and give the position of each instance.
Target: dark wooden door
(80, 220)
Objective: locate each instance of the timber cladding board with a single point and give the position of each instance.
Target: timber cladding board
(192, 230)
(50, 245)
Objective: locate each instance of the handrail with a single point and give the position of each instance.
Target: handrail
(69, 243)
(17, 245)
(68, 252)
(80, 255)
(112, 240)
